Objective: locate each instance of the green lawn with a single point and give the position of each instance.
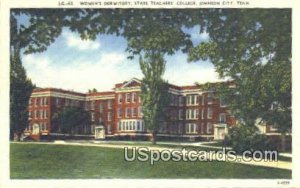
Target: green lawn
(58, 161)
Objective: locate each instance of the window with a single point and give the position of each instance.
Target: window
(92, 116)
(86, 106)
(202, 100)
(109, 116)
(41, 114)
(222, 118)
(41, 101)
(192, 99)
(127, 97)
(127, 112)
(181, 100)
(192, 114)
(92, 105)
(133, 97)
(101, 108)
(35, 102)
(108, 129)
(209, 113)
(30, 102)
(140, 111)
(138, 125)
(120, 126)
(100, 120)
(35, 114)
(120, 98)
(45, 126)
(140, 99)
(222, 102)
(202, 128)
(45, 114)
(109, 104)
(180, 114)
(209, 128)
(119, 112)
(210, 98)
(196, 114)
(191, 128)
(29, 114)
(202, 113)
(133, 112)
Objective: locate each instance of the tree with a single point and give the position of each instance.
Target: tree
(94, 90)
(20, 91)
(70, 119)
(154, 92)
(253, 48)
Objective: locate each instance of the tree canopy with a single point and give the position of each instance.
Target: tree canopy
(253, 48)
(20, 91)
(70, 119)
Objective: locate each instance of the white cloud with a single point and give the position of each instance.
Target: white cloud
(80, 76)
(75, 41)
(110, 68)
(189, 74)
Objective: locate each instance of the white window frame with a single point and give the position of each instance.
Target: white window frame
(41, 115)
(92, 116)
(133, 112)
(210, 98)
(140, 111)
(92, 104)
(180, 100)
(209, 128)
(220, 117)
(120, 98)
(101, 107)
(109, 104)
(119, 112)
(180, 114)
(127, 112)
(222, 102)
(209, 113)
(109, 116)
(108, 128)
(191, 128)
(202, 113)
(36, 102)
(133, 96)
(128, 96)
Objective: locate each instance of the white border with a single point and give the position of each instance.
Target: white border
(5, 181)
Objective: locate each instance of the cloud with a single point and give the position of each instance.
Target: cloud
(80, 75)
(74, 41)
(109, 69)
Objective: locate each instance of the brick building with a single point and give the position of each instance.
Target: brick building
(192, 113)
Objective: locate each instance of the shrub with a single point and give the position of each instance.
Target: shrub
(243, 138)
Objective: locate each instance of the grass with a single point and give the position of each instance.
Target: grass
(43, 161)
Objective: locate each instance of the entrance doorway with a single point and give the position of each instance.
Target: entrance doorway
(99, 132)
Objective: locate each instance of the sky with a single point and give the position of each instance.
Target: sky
(73, 64)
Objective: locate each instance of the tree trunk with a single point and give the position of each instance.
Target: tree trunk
(153, 138)
(283, 142)
(16, 137)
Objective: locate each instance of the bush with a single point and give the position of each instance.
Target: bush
(244, 138)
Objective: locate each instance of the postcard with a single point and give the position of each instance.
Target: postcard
(149, 93)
